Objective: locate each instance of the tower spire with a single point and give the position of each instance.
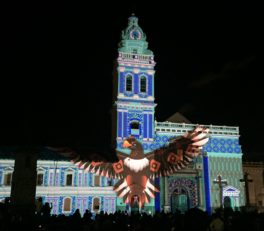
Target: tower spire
(133, 38)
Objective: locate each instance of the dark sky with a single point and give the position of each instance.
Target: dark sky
(56, 84)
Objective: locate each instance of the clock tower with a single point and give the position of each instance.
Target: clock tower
(134, 106)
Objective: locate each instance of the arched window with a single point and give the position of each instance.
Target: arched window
(40, 178)
(96, 180)
(128, 83)
(143, 84)
(67, 204)
(69, 177)
(7, 178)
(96, 204)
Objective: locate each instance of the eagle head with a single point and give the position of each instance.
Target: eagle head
(135, 147)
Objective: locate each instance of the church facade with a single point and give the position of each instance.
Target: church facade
(68, 188)
(196, 186)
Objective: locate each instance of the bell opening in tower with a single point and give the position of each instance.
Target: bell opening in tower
(135, 128)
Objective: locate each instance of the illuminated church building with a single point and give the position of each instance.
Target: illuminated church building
(69, 188)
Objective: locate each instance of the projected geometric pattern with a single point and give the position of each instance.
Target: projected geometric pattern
(214, 144)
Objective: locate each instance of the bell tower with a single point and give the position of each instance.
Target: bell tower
(134, 106)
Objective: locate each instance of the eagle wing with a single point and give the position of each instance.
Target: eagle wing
(95, 162)
(178, 154)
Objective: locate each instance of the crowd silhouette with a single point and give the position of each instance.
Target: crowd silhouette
(194, 219)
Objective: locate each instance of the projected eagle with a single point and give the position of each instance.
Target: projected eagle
(137, 171)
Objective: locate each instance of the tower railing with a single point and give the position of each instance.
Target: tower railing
(147, 59)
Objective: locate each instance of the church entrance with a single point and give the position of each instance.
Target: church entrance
(182, 192)
(231, 197)
(179, 201)
(229, 202)
(135, 205)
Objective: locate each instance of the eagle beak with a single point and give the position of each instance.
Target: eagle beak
(126, 144)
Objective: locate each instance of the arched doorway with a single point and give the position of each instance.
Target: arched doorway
(180, 200)
(182, 193)
(228, 202)
(96, 204)
(231, 197)
(135, 205)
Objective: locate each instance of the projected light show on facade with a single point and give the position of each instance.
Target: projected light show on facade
(178, 179)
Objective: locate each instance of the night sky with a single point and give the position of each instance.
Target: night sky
(56, 84)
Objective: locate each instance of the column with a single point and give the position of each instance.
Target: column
(207, 184)
(157, 196)
(150, 126)
(120, 124)
(145, 126)
(125, 134)
(200, 192)
(166, 195)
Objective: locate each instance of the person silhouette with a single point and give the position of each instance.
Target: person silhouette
(39, 205)
(87, 215)
(46, 210)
